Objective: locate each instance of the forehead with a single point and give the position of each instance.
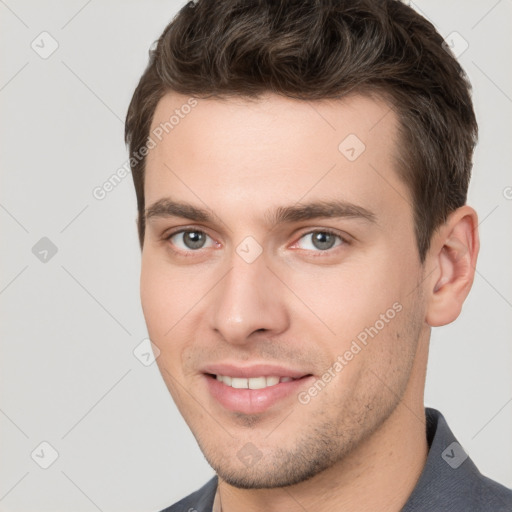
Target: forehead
(242, 118)
(249, 153)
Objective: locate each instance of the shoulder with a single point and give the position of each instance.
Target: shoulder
(199, 501)
(450, 480)
(490, 495)
(479, 494)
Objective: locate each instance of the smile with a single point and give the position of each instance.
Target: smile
(253, 382)
(255, 395)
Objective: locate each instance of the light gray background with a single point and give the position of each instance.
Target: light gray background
(69, 326)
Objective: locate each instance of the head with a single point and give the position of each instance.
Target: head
(301, 171)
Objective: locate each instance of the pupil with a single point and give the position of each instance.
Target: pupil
(194, 239)
(323, 240)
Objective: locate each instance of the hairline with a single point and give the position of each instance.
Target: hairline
(383, 92)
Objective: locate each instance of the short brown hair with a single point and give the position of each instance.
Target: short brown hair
(323, 49)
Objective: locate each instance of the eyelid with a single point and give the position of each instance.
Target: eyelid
(166, 237)
(168, 234)
(345, 239)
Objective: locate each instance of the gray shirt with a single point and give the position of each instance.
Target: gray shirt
(449, 482)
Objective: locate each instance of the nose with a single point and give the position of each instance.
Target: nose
(249, 299)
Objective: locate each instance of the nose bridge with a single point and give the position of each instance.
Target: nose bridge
(246, 299)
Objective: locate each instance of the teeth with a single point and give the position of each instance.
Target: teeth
(253, 382)
(227, 380)
(257, 383)
(238, 383)
(272, 381)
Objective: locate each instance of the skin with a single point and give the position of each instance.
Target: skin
(360, 443)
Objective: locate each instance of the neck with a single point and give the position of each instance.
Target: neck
(380, 474)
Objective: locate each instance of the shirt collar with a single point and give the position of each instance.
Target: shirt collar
(447, 481)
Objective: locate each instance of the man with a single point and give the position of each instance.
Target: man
(301, 171)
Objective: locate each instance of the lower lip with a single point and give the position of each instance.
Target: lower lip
(253, 401)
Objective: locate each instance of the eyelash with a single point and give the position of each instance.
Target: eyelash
(319, 253)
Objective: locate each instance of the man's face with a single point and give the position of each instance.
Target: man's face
(264, 287)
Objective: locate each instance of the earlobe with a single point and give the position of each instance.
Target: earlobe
(454, 253)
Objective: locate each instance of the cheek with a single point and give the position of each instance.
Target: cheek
(364, 307)
(162, 307)
(152, 296)
(349, 297)
(159, 304)
(172, 304)
(166, 296)
(377, 364)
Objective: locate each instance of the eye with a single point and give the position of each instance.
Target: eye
(320, 240)
(190, 240)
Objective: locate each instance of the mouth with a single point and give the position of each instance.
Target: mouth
(252, 382)
(254, 395)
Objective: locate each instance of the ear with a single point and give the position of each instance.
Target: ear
(453, 254)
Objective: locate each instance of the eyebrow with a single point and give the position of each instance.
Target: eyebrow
(167, 207)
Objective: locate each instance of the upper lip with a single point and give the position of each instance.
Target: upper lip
(256, 370)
